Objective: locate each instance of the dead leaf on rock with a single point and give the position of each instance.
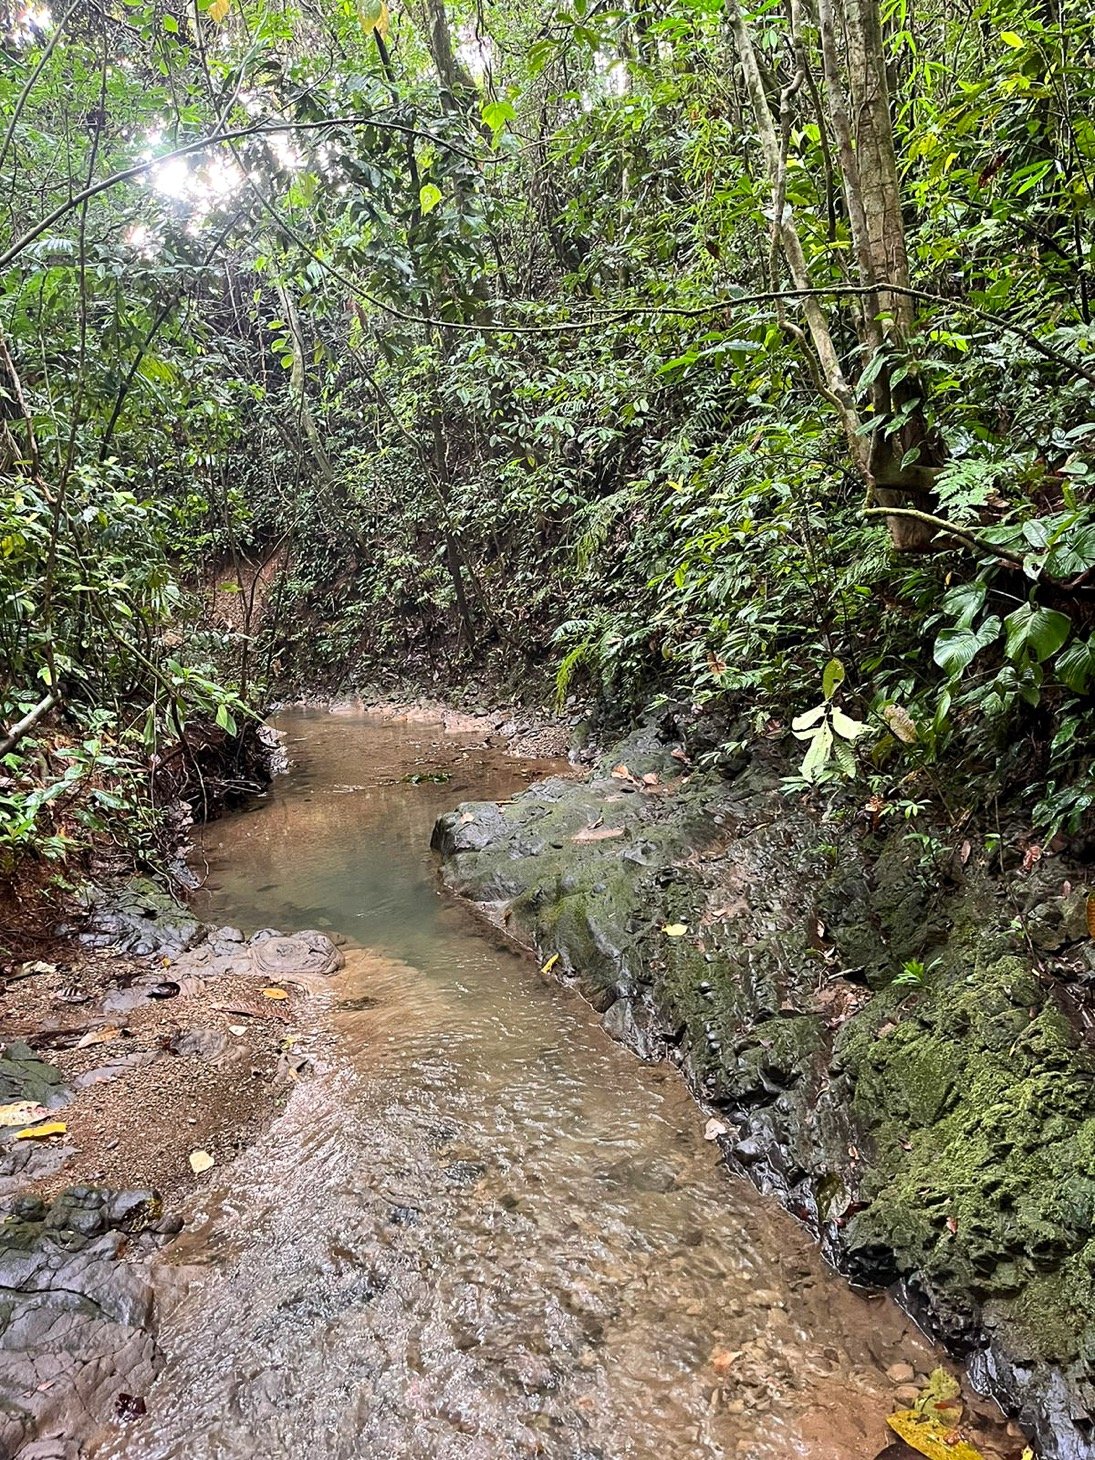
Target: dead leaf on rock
(550, 964)
(675, 930)
(21, 1112)
(100, 1036)
(597, 834)
(201, 1161)
(40, 1132)
(650, 779)
(274, 993)
(253, 1011)
(715, 1128)
(1091, 916)
(723, 1360)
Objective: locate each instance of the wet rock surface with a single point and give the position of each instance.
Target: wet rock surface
(148, 1060)
(938, 1134)
(77, 1322)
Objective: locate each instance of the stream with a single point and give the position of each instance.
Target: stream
(482, 1229)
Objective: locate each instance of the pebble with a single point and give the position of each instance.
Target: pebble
(906, 1394)
(901, 1373)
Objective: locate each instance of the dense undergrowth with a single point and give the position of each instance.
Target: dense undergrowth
(473, 323)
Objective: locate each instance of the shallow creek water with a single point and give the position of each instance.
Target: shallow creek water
(484, 1230)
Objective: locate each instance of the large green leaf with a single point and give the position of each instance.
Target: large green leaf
(1041, 631)
(956, 648)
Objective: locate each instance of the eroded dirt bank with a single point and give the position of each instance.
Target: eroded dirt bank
(936, 1130)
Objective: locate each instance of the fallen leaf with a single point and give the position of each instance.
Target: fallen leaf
(952, 1225)
(679, 754)
(550, 964)
(901, 723)
(201, 1161)
(715, 1128)
(21, 1112)
(597, 833)
(621, 773)
(39, 1132)
(99, 1036)
(237, 1028)
(930, 1437)
(268, 1010)
(1091, 916)
(274, 993)
(39, 967)
(675, 930)
(723, 1360)
(650, 779)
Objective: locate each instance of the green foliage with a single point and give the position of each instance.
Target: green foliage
(478, 343)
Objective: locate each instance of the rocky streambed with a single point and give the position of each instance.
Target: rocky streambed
(885, 1036)
(151, 1050)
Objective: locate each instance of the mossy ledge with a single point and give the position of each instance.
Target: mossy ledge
(939, 1138)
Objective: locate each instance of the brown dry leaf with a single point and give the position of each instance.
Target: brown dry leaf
(253, 1011)
(597, 834)
(100, 1036)
(723, 1360)
(621, 773)
(650, 779)
(40, 1132)
(679, 754)
(1091, 916)
(901, 723)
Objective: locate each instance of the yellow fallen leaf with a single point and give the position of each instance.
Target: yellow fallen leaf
(930, 1437)
(550, 964)
(39, 1132)
(218, 11)
(675, 930)
(21, 1112)
(201, 1161)
(273, 993)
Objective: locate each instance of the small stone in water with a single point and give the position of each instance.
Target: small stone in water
(906, 1394)
(901, 1373)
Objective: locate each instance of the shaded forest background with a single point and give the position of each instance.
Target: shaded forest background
(743, 359)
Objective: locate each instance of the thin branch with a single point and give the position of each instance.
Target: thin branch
(27, 723)
(960, 534)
